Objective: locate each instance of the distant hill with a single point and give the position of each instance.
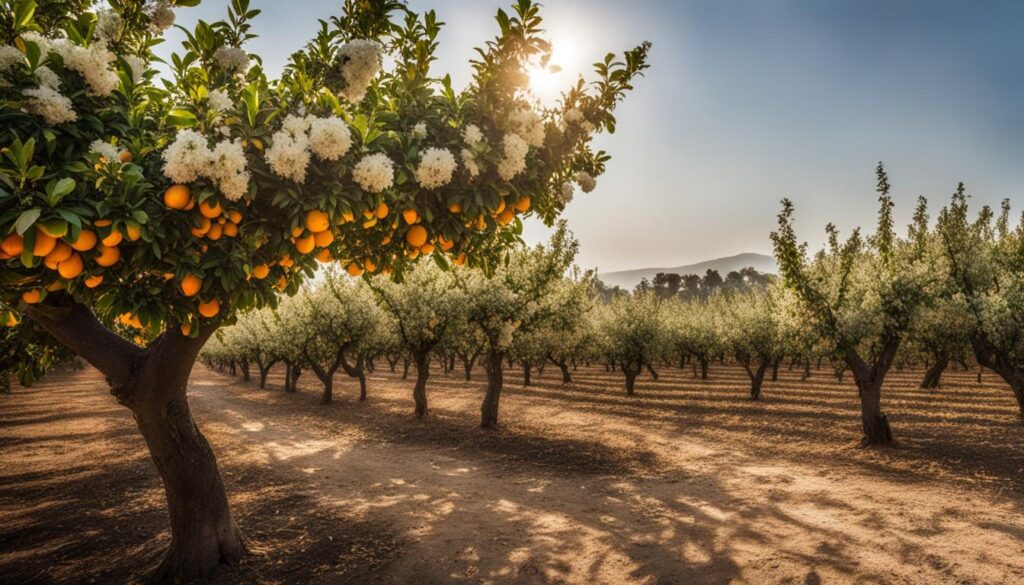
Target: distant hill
(628, 279)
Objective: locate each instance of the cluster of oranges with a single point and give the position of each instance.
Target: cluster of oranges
(212, 222)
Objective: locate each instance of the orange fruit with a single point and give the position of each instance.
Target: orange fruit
(455, 207)
(323, 239)
(501, 207)
(416, 236)
(235, 216)
(86, 241)
(210, 209)
(13, 245)
(112, 239)
(134, 232)
(222, 220)
(286, 261)
(369, 214)
(260, 271)
(94, 281)
(382, 211)
(210, 308)
(45, 244)
(410, 216)
(317, 221)
(108, 255)
(305, 245)
(186, 329)
(370, 223)
(445, 243)
(523, 204)
(190, 285)
(297, 231)
(230, 229)
(459, 260)
(282, 283)
(216, 231)
(370, 266)
(102, 222)
(10, 319)
(32, 297)
(125, 156)
(348, 216)
(203, 227)
(385, 241)
(177, 197)
(324, 256)
(506, 216)
(353, 269)
(427, 248)
(71, 267)
(60, 253)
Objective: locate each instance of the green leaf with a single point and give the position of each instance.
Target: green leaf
(26, 220)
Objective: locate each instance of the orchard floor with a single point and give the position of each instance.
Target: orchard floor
(687, 482)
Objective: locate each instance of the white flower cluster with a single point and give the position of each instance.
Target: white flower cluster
(565, 193)
(234, 60)
(47, 78)
(161, 16)
(219, 100)
(301, 136)
(136, 65)
(329, 138)
(573, 116)
(470, 163)
(50, 104)
(473, 138)
(92, 63)
(586, 181)
(9, 55)
(109, 25)
(374, 172)
(104, 149)
(189, 157)
(420, 130)
(527, 124)
(362, 62)
(513, 160)
(437, 165)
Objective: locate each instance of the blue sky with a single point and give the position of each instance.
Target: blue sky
(748, 101)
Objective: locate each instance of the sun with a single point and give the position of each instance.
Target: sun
(548, 83)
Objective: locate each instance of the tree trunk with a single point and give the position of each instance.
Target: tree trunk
(757, 376)
(419, 391)
(869, 384)
(494, 362)
(405, 368)
(934, 373)
(564, 367)
(527, 370)
(264, 372)
(153, 384)
(245, 369)
(703, 368)
(631, 374)
(467, 363)
(989, 357)
(651, 370)
(775, 369)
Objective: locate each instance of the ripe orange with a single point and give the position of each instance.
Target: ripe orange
(459, 260)
(134, 232)
(215, 232)
(297, 231)
(125, 156)
(235, 216)
(282, 283)
(203, 227)
(286, 261)
(210, 308)
(410, 216)
(45, 244)
(230, 229)
(103, 222)
(427, 248)
(94, 281)
(305, 245)
(186, 329)
(416, 236)
(108, 255)
(210, 209)
(191, 284)
(10, 319)
(260, 271)
(177, 197)
(523, 204)
(60, 253)
(71, 267)
(86, 241)
(370, 266)
(32, 297)
(324, 238)
(348, 216)
(445, 243)
(455, 207)
(501, 207)
(370, 223)
(324, 256)
(113, 238)
(506, 216)
(382, 211)
(353, 269)
(13, 245)
(317, 221)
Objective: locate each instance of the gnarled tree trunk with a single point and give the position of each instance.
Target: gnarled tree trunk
(988, 356)
(934, 373)
(494, 362)
(153, 384)
(869, 384)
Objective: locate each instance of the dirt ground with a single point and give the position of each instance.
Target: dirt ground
(688, 482)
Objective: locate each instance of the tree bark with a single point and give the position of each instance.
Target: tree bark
(153, 384)
(494, 362)
(869, 383)
(631, 373)
(703, 368)
(405, 368)
(756, 376)
(246, 375)
(527, 372)
(419, 391)
(651, 370)
(989, 357)
(934, 373)
(564, 367)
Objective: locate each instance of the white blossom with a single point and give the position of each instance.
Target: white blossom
(227, 169)
(527, 124)
(136, 65)
(470, 163)
(187, 158)
(374, 173)
(419, 130)
(573, 116)
(587, 126)
(437, 165)
(565, 193)
(514, 160)
(218, 100)
(288, 155)
(361, 64)
(161, 16)
(109, 25)
(586, 181)
(9, 56)
(104, 149)
(329, 138)
(472, 135)
(50, 104)
(234, 60)
(92, 63)
(47, 78)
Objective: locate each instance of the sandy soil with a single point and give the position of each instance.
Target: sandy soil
(688, 482)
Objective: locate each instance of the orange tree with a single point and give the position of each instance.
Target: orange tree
(170, 205)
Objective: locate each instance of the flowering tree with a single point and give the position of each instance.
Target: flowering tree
(631, 332)
(863, 295)
(751, 327)
(558, 337)
(427, 306)
(693, 331)
(182, 202)
(985, 264)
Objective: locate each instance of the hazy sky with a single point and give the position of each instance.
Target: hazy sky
(748, 101)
